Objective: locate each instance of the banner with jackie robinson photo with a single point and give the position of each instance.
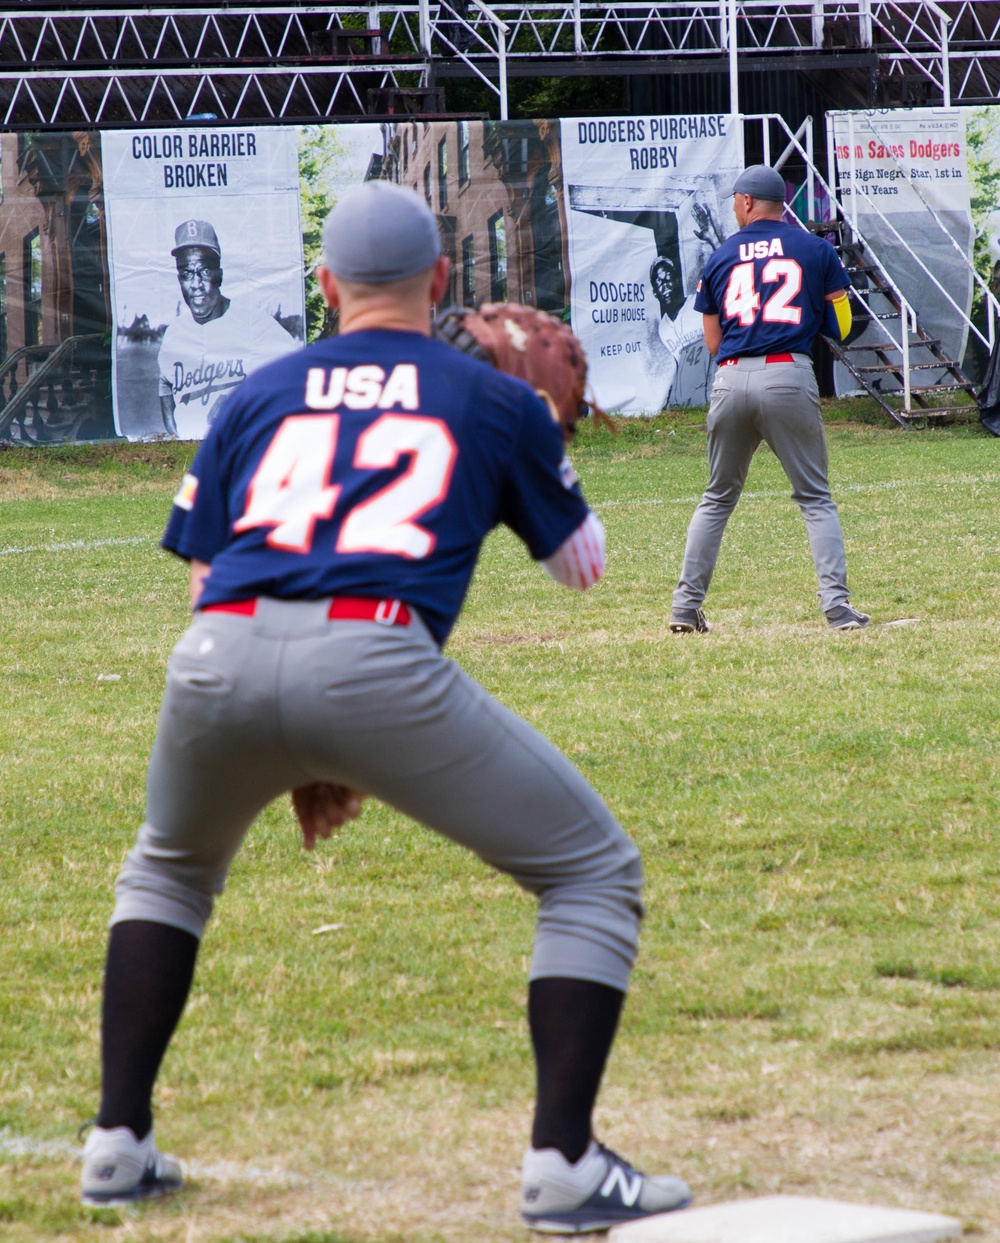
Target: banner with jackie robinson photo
(904, 177)
(646, 204)
(206, 267)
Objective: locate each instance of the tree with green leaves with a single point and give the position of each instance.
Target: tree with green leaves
(320, 155)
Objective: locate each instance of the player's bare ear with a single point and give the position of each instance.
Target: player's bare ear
(328, 284)
(439, 280)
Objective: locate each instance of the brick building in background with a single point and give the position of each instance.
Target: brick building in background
(53, 282)
(494, 189)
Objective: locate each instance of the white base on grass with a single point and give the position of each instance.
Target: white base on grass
(789, 1219)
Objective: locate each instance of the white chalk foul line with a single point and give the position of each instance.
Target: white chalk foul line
(888, 485)
(78, 544)
(215, 1171)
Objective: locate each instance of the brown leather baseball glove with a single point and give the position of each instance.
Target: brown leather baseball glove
(531, 345)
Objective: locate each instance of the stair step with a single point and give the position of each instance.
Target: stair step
(937, 412)
(941, 388)
(932, 366)
(887, 346)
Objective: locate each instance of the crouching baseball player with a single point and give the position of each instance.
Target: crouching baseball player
(765, 294)
(332, 519)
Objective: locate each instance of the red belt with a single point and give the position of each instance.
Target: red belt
(768, 358)
(342, 608)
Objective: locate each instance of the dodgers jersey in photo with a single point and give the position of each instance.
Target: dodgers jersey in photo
(372, 464)
(201, 364)
(768, 284)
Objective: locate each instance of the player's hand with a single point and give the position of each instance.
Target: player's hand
(322, 807)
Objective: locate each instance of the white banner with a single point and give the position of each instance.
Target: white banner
(904, 180)
(646, 204)
(205, 258)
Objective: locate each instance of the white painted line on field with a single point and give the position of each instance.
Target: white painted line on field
(86, 544)
(233, 1172)
(25, 1146)
(888, 485)
(216, 1171)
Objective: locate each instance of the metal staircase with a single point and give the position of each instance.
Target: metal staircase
(889, 353)
(55, 393)
(926, 386)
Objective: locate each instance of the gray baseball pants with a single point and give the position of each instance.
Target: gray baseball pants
(256, 706)
(777, 403)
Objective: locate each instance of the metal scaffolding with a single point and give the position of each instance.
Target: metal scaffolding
(87, 64)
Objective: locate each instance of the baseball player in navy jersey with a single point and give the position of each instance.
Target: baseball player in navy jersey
(764, 295)
(332, 519)
(205, 354)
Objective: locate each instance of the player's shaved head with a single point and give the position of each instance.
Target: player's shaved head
(405, 289)
(404, 305)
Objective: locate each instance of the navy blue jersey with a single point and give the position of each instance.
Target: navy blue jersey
(768, 284)
(372, 464)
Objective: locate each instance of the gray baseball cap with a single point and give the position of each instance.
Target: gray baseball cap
(761, 182)
(380, 232)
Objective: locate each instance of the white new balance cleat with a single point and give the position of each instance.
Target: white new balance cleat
(598, 1192)
(118, 1168)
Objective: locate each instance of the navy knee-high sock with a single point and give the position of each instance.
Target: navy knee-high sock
(147, 979)
(572, 1024)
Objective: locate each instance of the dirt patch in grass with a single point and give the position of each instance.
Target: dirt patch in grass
(424, 1162)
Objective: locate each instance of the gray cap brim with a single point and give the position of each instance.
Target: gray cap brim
(380, 232)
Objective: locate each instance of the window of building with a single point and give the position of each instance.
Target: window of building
(443, 174)
(463, 152)
(406, 150)
(469, 271)
(428, 195)
(32, 276)
(3, 307)
(498, 258)
(516, 151)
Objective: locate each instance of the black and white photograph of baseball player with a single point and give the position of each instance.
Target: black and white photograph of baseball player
(207, 352)
(207, 283)
(679, 333)
(640, 223)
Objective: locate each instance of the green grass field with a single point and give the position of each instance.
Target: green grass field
(816, 1009)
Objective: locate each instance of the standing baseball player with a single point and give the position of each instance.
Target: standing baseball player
(765, 294)
(332, 519)
(205, 354)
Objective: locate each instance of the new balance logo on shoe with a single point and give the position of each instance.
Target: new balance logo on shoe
(118, 1168)
(595, 1193)
(626, 1180)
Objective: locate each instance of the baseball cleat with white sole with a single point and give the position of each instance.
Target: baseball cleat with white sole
(689, 621)
(598, 1192)
(118, 1168)
(843, 617)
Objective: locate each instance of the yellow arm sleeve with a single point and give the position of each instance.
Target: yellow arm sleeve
(837, 321)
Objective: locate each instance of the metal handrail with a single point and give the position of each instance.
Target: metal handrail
(908, 318)
(433, 26)
(907, 315)
(991, 299)
(873, 206)
(56, 355)
(10, 362)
